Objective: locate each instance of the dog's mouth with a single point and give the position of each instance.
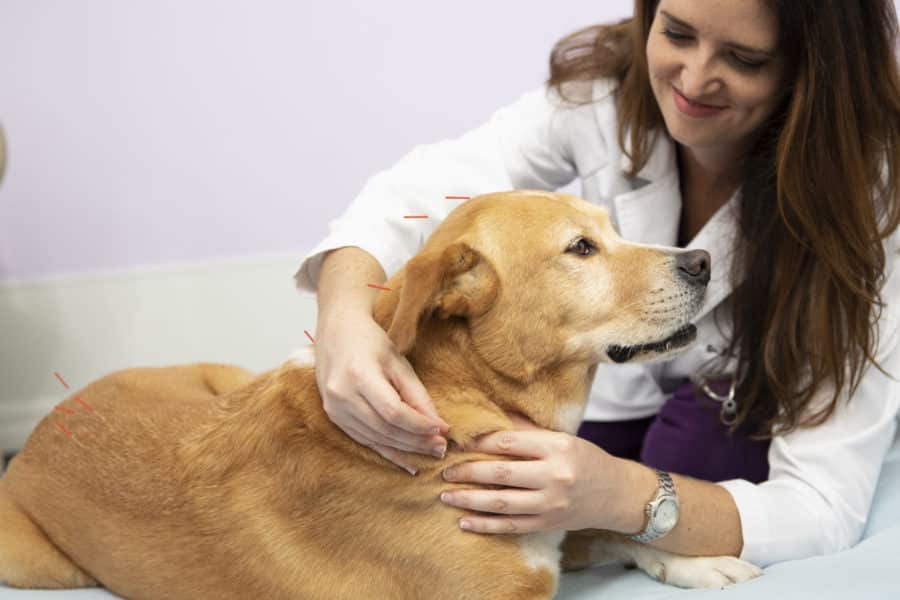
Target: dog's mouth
(676, 341)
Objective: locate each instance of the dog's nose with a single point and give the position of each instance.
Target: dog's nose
(694, 267)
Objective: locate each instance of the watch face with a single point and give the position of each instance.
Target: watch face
(666, 515)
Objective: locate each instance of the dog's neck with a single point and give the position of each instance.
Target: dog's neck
(462, 383)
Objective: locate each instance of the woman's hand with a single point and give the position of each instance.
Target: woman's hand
(371, 392)
(567, 484)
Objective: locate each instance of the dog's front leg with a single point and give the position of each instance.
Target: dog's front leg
(592, 547)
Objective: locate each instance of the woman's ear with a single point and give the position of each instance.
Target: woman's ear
(456, 281)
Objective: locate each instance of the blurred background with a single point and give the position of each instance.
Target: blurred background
(170, 162)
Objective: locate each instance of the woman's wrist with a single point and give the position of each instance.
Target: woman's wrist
(341, 311)
(342, 284)
(638, 485)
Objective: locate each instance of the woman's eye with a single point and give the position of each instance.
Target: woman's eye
(675, 36)
(582, 247)
(746, 64)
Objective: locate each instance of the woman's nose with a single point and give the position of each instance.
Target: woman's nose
(699, 77)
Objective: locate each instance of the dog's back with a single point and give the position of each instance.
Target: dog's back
(185, 493)
(99, 475)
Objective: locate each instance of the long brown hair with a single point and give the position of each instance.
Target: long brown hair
(819, 196)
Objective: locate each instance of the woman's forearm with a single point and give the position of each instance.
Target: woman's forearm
(709, 524)
(343, 281)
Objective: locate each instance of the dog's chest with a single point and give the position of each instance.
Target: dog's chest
(541, 550)
(568, 417)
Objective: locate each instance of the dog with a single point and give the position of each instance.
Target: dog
(208, 481)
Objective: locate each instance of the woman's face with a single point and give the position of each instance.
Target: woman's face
(714, 70)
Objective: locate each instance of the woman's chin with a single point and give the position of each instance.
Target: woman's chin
(692, 138)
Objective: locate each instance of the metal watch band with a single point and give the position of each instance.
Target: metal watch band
(666, 489)
(665, 481)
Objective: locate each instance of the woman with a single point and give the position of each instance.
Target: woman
(765, 131)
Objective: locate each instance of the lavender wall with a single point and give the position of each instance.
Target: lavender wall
(146, 133)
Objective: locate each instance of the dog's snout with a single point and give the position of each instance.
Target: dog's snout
(694, 266)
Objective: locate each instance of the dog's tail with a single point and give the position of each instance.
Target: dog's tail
(28, 559)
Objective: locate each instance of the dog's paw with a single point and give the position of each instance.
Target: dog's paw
(701, 571)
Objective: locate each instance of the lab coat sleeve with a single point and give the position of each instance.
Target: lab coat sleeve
(522, 145)
(822, 479)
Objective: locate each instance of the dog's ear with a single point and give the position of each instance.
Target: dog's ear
(456, 281)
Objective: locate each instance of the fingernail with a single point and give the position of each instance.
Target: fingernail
(449, 473)
(439, 451)
(465, 525)
(445, 497)
(412, 470)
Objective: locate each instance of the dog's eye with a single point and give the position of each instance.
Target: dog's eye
(582, 247)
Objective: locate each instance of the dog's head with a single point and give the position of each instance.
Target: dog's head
(542, 278)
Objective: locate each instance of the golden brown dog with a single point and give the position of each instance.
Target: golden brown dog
(207, 481)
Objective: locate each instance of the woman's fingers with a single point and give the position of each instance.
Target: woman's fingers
(519, 474)
(488, 524)
(381, 432)
(523, 443)
(350, 407)
(384, 399)
(396, 457)
(504, 502)
(390, 454)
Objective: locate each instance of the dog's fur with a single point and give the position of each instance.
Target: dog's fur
(207, 481)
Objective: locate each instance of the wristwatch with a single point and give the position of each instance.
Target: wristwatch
(662, 511)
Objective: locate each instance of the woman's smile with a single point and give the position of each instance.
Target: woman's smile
(695, 109)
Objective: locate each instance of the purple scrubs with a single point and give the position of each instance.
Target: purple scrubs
(686, 437)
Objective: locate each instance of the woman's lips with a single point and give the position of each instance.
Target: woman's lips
(695, 109)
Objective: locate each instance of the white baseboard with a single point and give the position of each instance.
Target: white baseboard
(243, 311)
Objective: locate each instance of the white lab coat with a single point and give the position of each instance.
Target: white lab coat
(821, 480)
